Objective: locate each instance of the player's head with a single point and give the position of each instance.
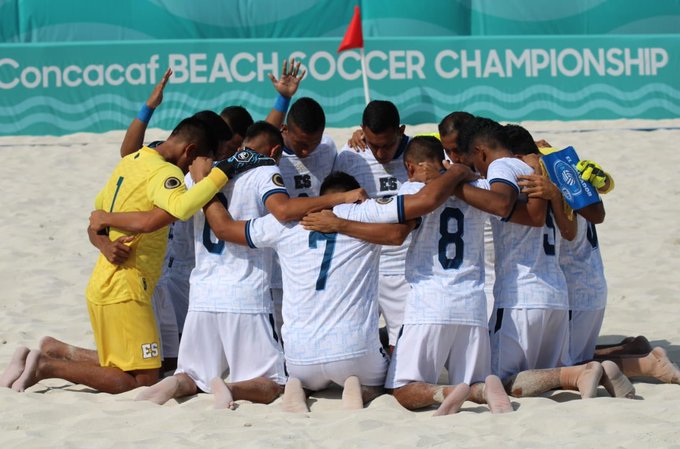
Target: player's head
(191, 138)
(264, 138)
(520, 140)
(238, 119)
(304, 127)
(423, 158)
(221, 130)
(338, 181)
(480, 142)
(449, 129)
(382, 129)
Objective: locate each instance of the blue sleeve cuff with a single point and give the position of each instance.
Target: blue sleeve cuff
(504, 181)
(400, 209)
(249, 241)
(272, 192)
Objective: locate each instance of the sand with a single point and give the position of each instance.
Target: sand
(48, 189)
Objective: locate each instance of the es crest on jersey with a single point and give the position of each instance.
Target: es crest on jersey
(277, 180)
(172, 183)
(385, 200)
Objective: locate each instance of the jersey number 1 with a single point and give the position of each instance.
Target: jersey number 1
(314, 237)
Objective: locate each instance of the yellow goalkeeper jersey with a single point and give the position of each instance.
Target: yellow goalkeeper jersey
(141, 181)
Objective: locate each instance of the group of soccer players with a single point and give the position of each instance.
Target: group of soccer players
(291, 250)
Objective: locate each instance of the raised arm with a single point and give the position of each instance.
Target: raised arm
(134, 136)
(379, 233)
(594, 213)
(288, 209)
(286, 86)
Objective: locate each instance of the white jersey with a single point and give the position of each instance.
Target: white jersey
(330, 283)
(230, 277)
(445, 265)
(528, 274)
(179, 254)
(379, 181)
(303, 177)
(581, 263)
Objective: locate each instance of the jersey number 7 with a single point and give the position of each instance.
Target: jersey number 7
(314, 237)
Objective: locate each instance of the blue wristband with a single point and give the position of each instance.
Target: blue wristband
(281, 104)
(145, 113)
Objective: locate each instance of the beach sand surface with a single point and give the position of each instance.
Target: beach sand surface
(48, 190)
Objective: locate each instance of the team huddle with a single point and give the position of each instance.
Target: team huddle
(281, 258)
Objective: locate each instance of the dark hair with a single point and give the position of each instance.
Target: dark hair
(260, 128)
(197, 131)
(238, 119)
(339, 181)
(481, 129)
(307, 115)
(424, 148)
(454, 122)
(380, 116)
(520, 140)
(221, 131)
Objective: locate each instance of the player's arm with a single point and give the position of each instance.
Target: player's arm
(285, 208)
(435, 192)
(286, 86)
(499, 200)
(540, 187)
(594, 213)
(222, 224)
(133, 222)
(134, 136)
(116, 252)
(379, 233)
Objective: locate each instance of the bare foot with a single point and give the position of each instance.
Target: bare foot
(495, 395)
(616, 384)
(15, 367)
(222, 393)
(29, 376)
(351, 394)
(454, 400)
(662, 367)
(294, 399)
(160, 393)
(589, 379)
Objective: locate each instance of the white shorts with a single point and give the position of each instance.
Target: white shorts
(423, 350)
(370, 368)
(393, 293)
(176, 281)
(215, 344)
(277, 302)
(489, 270)
(166, 321)
(584, 328)
(523, 339)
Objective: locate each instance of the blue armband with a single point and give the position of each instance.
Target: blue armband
(145, 113)
(281, 104)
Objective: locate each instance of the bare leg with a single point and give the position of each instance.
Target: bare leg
(294, 398)
(418, 395)
(656, 364)
(223, 396)
(15, 367)
(260, 390)
(105, 379)
(584, 378)
(492, 393)
(628, 346)
(616, 384)
(453, 401)
(351, 394)
(56, 349)
(176, 386)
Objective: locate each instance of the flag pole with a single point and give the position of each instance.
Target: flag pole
(364, 76)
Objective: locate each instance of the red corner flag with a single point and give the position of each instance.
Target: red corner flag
(354, 38)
